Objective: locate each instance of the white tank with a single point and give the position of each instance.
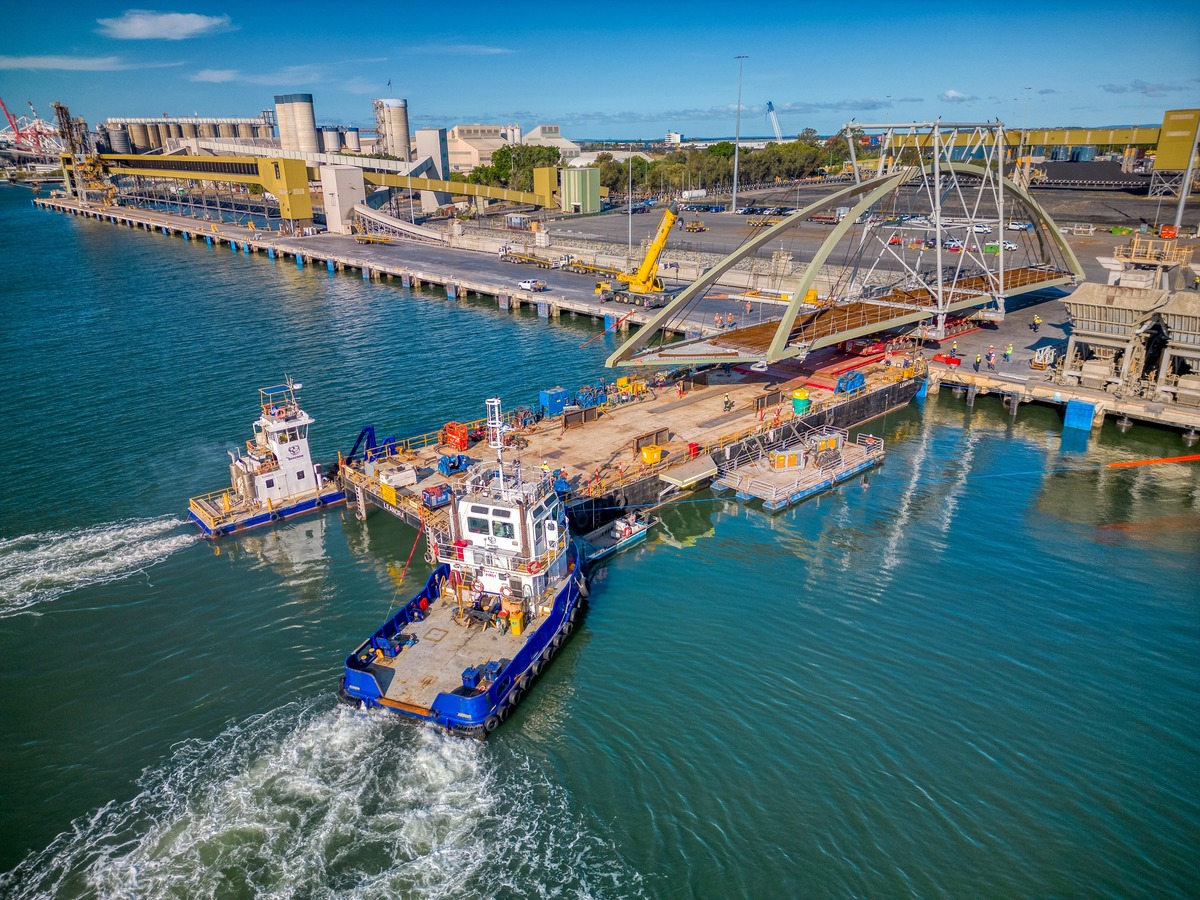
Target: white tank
(393, 127)
(305, 123)
(352, 142)
(331, 139)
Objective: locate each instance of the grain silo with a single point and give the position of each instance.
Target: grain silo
(139, 137)
(391, 124)
(352, 141)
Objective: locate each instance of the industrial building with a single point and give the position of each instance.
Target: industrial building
(550, 136)
(471, 146)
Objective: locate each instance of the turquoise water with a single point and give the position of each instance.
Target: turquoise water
(975, 678)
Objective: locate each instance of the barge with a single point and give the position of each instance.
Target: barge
(275, 478)
(507, 591)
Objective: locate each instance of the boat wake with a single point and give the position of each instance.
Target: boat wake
(37, 568)
(342, 804)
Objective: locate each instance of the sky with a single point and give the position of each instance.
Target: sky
(613, 71)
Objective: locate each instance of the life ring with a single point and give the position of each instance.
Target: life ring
(274, 517)
(535, 567)
(491, 723)
(506, 592)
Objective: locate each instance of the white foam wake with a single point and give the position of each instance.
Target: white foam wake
(339, 804)
(36, 568)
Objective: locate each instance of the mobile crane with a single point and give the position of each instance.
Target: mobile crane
(642, 287)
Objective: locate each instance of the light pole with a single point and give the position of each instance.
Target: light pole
(737, 133)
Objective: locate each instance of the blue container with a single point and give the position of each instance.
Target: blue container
(553, 401)
(470, 677)
(1079, 415)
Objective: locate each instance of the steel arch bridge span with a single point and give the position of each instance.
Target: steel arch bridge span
(805, 326)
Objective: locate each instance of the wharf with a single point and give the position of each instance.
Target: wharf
(1024, 380)
(414, 265)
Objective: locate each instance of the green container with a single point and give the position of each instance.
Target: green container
(800, 401)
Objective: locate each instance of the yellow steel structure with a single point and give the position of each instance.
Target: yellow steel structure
(288, 179)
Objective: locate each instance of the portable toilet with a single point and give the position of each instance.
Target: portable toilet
(800, 401)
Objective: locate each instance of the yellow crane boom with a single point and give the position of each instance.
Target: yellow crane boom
(645, 280)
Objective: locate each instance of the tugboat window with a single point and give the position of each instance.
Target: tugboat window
(504, 530)
(477, 526)
(300, 475)
(270, 482)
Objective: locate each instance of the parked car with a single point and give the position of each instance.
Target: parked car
(1019, 226)
(1009, 245)
(895, 239)
(531, 284)
(981, 228)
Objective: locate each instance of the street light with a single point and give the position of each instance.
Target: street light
(737, 133)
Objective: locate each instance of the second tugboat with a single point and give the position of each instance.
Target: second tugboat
(275, 478)
(506, 593)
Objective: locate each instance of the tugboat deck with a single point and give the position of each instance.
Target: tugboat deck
(444, 648)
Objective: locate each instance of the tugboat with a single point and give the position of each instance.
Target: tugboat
(507, 592)
(275, 478)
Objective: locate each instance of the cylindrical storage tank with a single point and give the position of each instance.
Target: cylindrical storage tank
(226, 130)
(188, 130)
(139, 137)
(395, 127)
(245, 130)
(287, 122)
(153, 140)
(306, 123)
(118, 139)
(331, 139)
(352, 142)
(207, 130)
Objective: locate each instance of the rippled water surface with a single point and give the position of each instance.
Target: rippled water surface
(976, 677)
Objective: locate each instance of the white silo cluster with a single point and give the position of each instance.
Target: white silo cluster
(391, 124)
(297, 124)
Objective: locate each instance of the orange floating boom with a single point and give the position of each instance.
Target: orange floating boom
(1195, 457)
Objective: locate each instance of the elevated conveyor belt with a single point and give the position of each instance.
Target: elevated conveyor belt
(372, 221)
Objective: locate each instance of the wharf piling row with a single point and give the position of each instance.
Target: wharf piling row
(456, 287)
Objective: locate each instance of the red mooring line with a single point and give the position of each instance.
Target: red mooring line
(1154, 462)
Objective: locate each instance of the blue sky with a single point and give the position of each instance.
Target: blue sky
(613, 70)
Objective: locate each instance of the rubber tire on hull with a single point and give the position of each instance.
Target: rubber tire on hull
(567, 628)
(491, 724)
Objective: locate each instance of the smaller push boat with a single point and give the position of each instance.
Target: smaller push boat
(616, 535)
(275, 478)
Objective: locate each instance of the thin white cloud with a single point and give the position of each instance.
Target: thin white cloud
(463, 49)
(953, 96)
(214, 76)
(288, 75)
(359, 85)
(146, 25)
(1137, 86)
(78, 63)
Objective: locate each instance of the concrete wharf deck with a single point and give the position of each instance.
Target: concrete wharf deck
(413, 264)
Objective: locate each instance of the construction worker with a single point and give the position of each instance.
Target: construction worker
(954, 349)
(1008, 353)
(1037, 323)
(991, 359)
(717, 319)
(978, 360)
(545, 467)
(1196, 283)
(728, 403)
(729, 321)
